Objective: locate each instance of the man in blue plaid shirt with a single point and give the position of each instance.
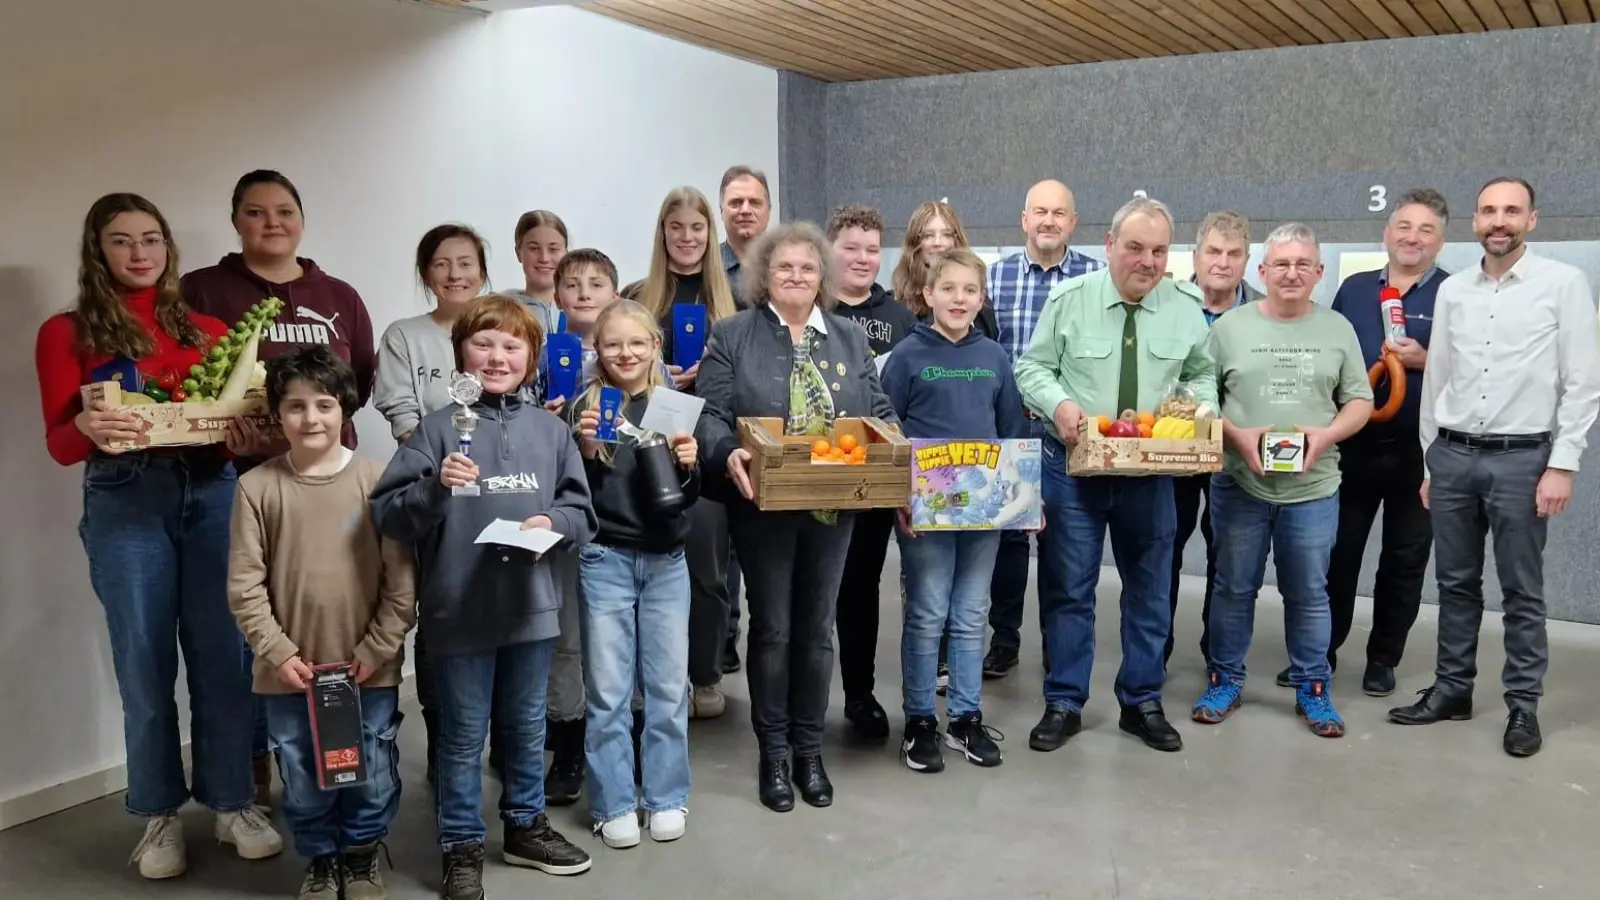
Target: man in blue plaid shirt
(1018, 287)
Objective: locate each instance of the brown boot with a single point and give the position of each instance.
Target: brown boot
(261, 769)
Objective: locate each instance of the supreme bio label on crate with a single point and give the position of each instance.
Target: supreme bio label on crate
(1283, 451)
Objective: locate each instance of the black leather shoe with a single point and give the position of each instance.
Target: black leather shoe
(1522, 733)
(1435, 706)
(867, 717)
(1148, 722)
(999, 662)
(1283, 678)
(1053, 729)
(773, 780)
(1377, 680)
(812, 780)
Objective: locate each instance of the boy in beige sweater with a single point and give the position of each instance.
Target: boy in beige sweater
(311, 583)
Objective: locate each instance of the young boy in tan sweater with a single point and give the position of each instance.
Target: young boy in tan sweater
(311, 583)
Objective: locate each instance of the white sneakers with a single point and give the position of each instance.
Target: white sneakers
(668, 824)
(160, 853)
(251, 835)
(623, 831)
(707, 701)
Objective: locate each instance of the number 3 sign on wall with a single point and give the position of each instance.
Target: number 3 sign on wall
(1379, 198)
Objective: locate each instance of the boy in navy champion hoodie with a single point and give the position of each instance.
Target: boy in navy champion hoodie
(946, 380)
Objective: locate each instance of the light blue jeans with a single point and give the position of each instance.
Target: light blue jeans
(1300, 536)
(635, 633)
(947, 576)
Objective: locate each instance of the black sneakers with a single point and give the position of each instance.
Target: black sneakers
(975, 740)
(563, 782)
(920, 749)
(538, 846)
(999, 662)
(463, 873)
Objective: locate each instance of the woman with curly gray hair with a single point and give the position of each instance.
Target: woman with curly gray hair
(787, 357)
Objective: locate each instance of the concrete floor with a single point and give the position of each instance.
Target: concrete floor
(1255, 808)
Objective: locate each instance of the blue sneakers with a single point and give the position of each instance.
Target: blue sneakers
(1312, 703)
(1218, 702)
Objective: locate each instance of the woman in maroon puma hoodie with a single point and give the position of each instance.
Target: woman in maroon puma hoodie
(318, 308)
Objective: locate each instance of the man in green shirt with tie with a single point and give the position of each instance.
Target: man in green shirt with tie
(1110, 341)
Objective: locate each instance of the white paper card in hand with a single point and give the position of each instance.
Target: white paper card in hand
(881, 361)
(671, 412)
(509, 533)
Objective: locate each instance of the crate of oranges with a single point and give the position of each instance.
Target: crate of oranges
(858, 464)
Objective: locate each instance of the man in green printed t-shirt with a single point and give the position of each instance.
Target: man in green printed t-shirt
(1284, 364)
(1109, 341)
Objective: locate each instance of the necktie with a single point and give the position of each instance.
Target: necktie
(1128, 384)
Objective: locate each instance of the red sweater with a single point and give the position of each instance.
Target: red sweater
(63, 369)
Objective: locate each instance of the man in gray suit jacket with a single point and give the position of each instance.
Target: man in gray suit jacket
(1221, 252)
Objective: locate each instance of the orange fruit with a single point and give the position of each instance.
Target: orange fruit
(1104, 422)
(1146, 419)
(820, 448)
(858, 454)
(1144, 430)
(848, 442)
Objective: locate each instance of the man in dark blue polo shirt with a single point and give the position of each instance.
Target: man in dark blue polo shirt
(1382, 463)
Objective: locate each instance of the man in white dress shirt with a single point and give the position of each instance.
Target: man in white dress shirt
(1511, 388)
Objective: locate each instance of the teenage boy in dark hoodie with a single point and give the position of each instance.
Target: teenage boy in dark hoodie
(318, 308)
(948, 381)
(856, 233)
(489, 608)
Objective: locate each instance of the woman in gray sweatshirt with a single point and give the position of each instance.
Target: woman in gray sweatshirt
(489, 613)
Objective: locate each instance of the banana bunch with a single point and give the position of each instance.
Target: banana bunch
(1173, 428)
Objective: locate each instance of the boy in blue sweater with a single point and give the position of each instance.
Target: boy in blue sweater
(946, 380)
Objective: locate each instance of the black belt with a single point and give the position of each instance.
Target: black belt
(1495, 441)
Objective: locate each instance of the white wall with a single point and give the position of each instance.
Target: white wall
(391, 117)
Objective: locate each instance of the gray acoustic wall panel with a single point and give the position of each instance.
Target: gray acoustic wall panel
(1328, 135)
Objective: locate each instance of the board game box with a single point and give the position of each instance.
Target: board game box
(985, 485)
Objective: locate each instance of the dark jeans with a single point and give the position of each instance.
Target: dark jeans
(1386, 475)
(1473, 494)
(428, 699)
(1187, 494)
(793, 586)
(707, 553)
(332, 821)
(1008, 587)
(859, 600)
(155, 528)
(1138, 512)
(1300, 538)
(735, 588)
(514, 677)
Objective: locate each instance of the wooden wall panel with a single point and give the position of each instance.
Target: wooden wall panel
(862, 40)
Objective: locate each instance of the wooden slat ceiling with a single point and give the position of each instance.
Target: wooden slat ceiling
(858, 40)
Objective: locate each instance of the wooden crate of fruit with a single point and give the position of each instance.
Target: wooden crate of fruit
(194, 409)
(1169, 441)
(859, 464)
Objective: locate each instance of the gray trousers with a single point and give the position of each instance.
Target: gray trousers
(1476, 493)
(564, 697)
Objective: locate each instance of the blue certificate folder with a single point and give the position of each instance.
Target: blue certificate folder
(564, 359)
(688, 334)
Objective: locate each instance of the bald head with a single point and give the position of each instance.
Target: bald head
(1048, 217)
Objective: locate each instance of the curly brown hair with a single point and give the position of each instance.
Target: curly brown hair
(104, 323)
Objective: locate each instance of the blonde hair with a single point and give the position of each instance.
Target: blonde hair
(636, 313)
(655, 292)
(910, 274)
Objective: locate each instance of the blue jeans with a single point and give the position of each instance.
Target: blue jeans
(155, 528)
(333, 821)
(1300, 536)
(467, 685)
(1139, 513)
(635, 632)
(947, 581)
